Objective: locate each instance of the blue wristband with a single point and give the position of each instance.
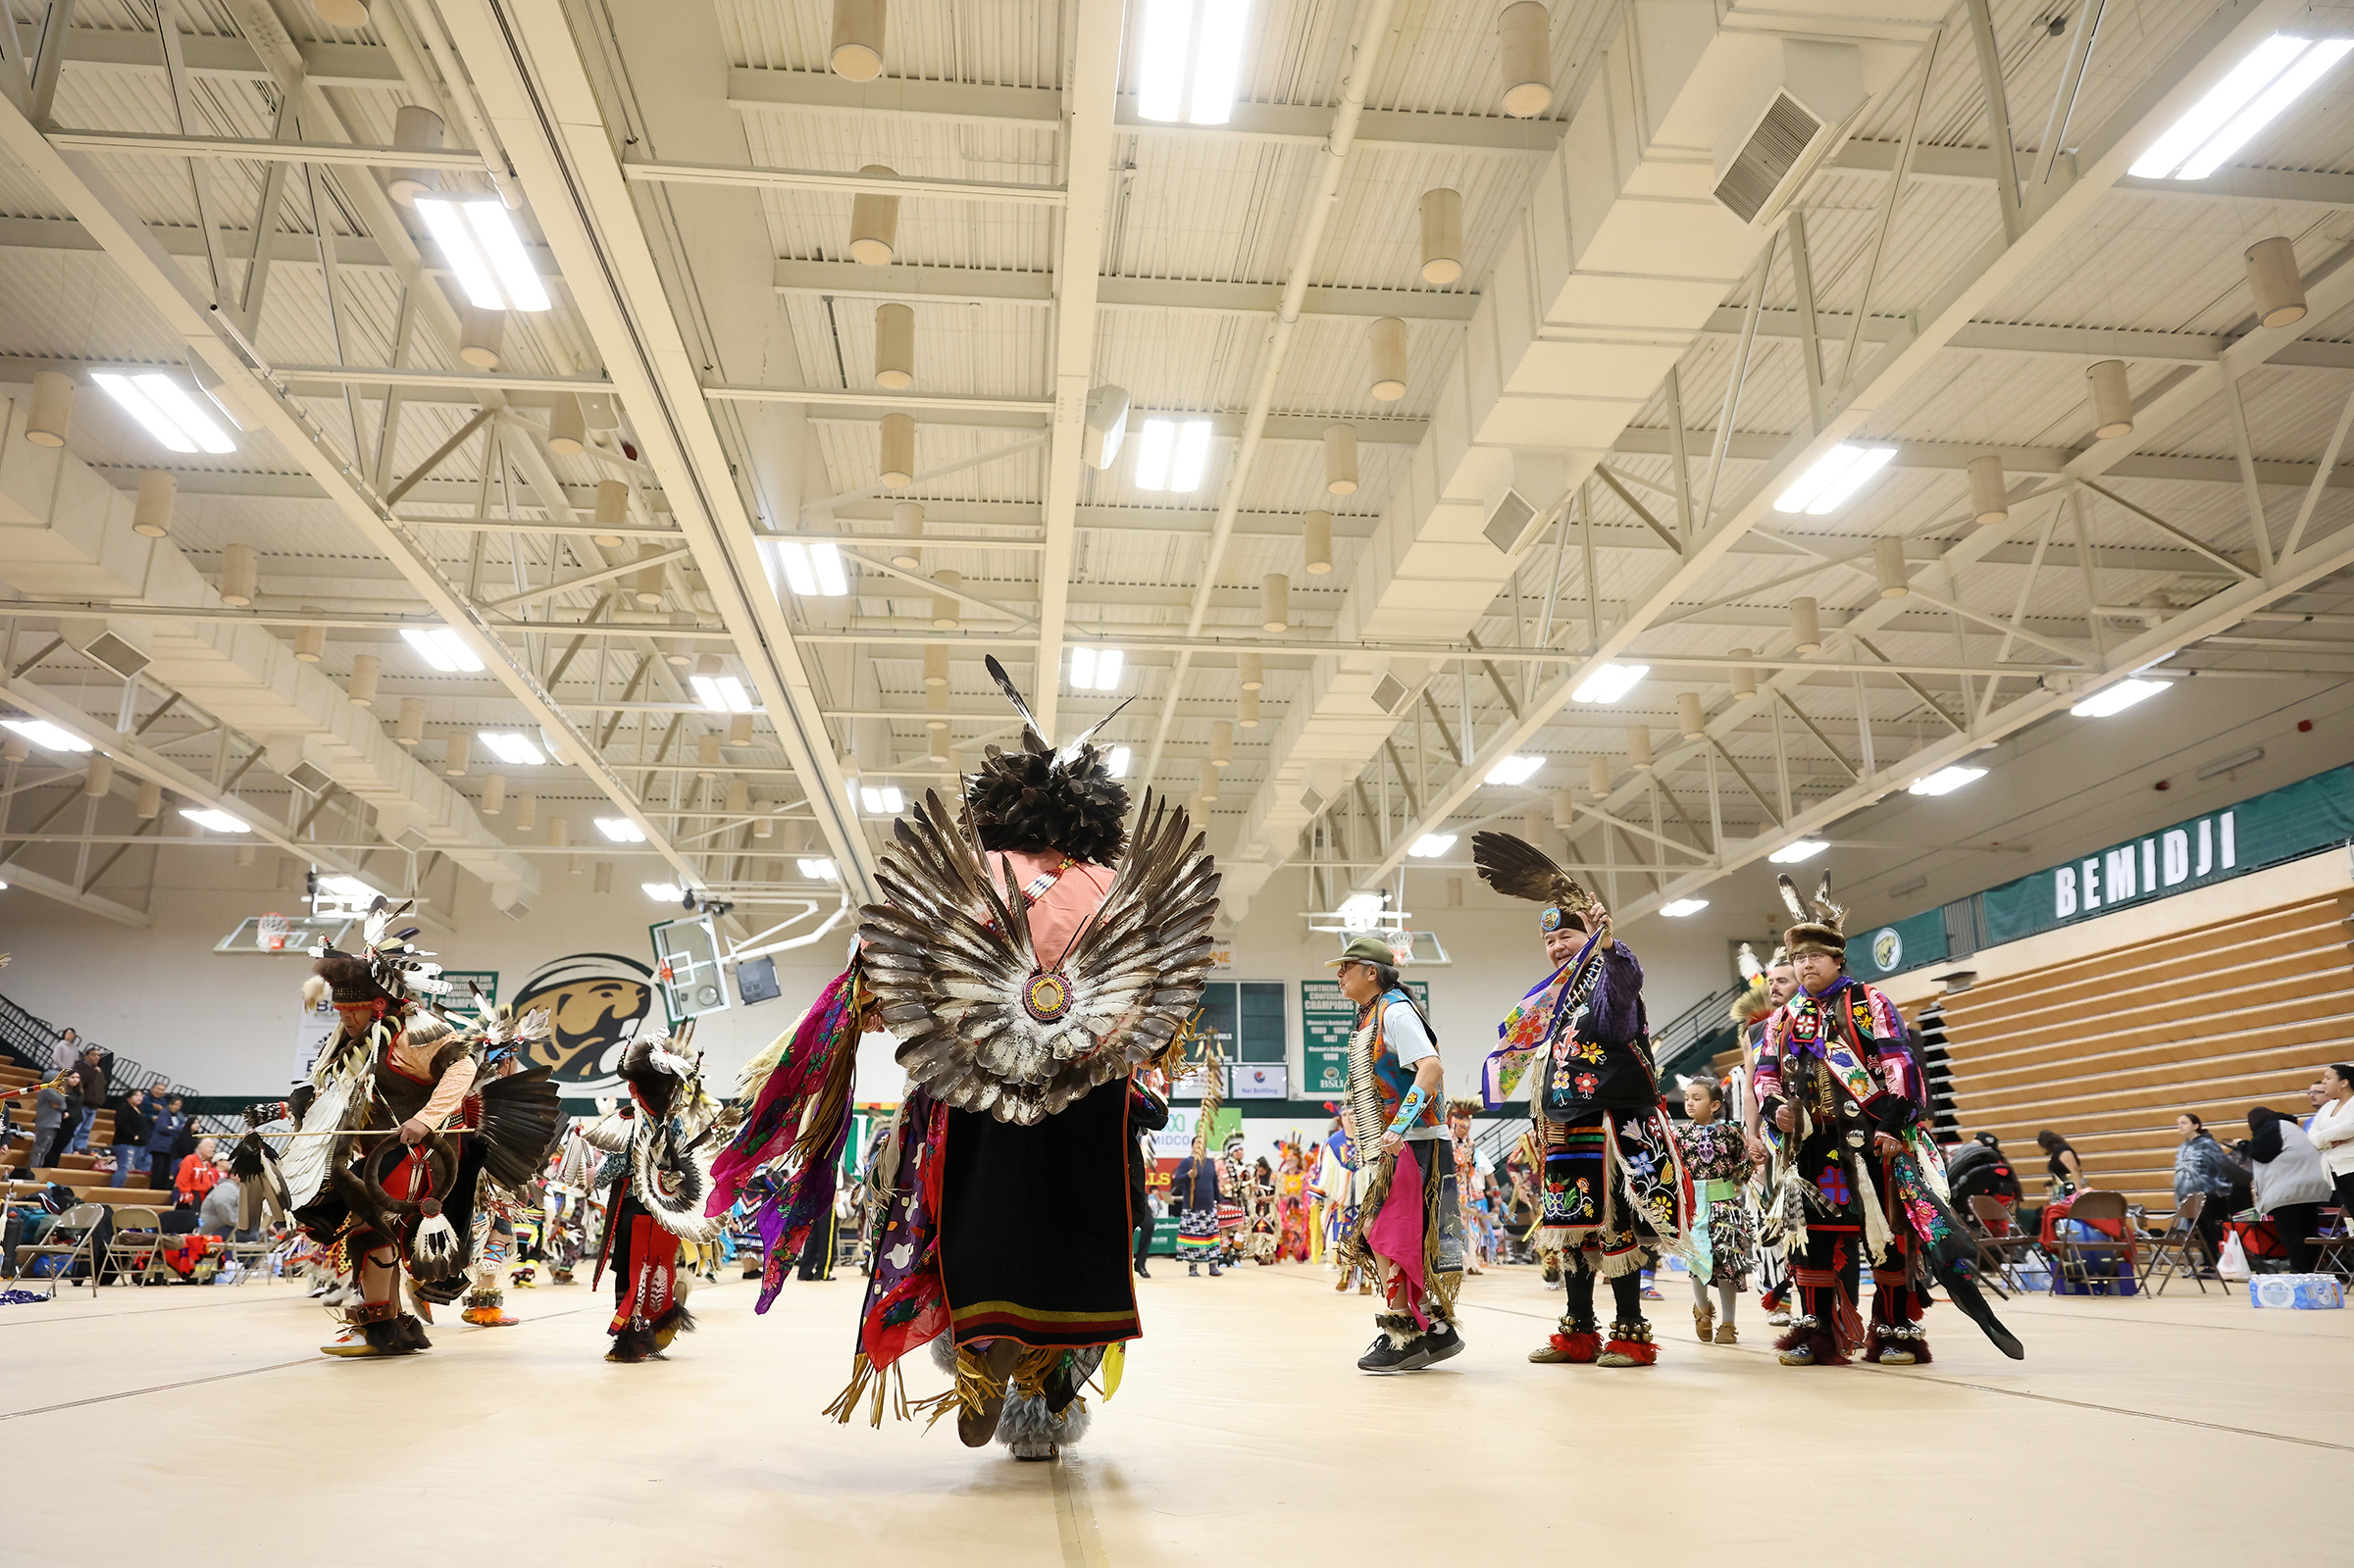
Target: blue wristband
(1409, 1110)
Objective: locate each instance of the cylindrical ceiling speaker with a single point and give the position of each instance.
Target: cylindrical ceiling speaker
(739, 730)
(453, 756)
(858, 39)
(365, 668)
(645, 584)
(1694, 717)
(1385, 340)
(1989, 489)
(1744, 677)
(947, 610)
(349, 14)
(1315, 538)
(740, 798)
(414, 128)
(935, 664)
(1340, 460)
(1638, 747)
(677, 651)
(874, 222)
(1221, 743)
(151, 514)
(527, 813)
(309, 642)
(1250, 670)
(935, 709)
(601, 879)
(409, 729)
(13, 748)
(907, 521)
(2272, 276)
(2112, 400)
(895, 347)
(1564, 810)
(567, 426)
(240, 573)
(559, 832)
(1209, 780)
(98, 775)
(764, 827)
(478, 333)
(1246, 708)
(1442, 236)
(898, 450)
(707, 666)
(50, 420)
(1805, 624)
(612, 512)
(1889, 565)
(706, 756)
(151, 799)
(1455, 893)
(494, 794)
(1598, 778)
(1275, 602)
(1526, 34)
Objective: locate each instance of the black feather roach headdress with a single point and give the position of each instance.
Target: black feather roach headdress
(1041, 798)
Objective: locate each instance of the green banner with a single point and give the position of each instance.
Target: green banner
(2262, 831)
(1326, 1019)
(1908, 943)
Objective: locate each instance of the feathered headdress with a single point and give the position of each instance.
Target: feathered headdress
(1042, 798)
(500, 1031)
(1519, 869)
(1821, 925)
(388, 967)
(1753, 1001)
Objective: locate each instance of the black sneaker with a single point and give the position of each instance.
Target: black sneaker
(1441, 1342)
(1387, 1356)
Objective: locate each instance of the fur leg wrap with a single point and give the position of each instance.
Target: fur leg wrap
(633, 1345)
(1031, 1431)
(1579, 1346)
(1401, 1326)
(1634, 1342)
(1828, 1351)
(1885, 1337)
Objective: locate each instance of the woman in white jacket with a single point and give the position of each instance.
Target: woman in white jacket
(2290, 1184)
(2333, 1135)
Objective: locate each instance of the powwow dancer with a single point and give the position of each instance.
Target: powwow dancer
(1616, 1197)
(1717, 1156)
(1027, 983)
(1856, 1175)
(1771, 985)
(661, 1181)
(1409, 1237)
(499, 1039)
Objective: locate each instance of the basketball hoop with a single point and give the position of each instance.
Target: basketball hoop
(271, 933)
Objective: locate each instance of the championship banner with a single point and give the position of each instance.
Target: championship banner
(1326, 1020)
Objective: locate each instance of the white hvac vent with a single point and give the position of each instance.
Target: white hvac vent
(412, 840)
(1510, 524)
(1390, 694)
(1768, 157)
(516, 910)
(1802, 112)
(1310, 802)
(309, 779)
(111, 652)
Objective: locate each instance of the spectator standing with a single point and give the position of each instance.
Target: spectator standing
(2291, 1184)
(2333, 1135)
(50, 1108)
(66, 1054)
(198, 1175)
(131, 1137)
(93, 1096)
(2204, 1166)
(2066, 1170)
(2317, 1094)
(163, 1130)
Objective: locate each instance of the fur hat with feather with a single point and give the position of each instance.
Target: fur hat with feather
(1821, 925)
(1042, 798)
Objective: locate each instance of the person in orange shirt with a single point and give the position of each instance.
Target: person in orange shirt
(197, 1174)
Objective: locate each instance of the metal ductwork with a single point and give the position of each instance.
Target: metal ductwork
(68, 536)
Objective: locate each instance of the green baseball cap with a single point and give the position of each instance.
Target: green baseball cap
(1365, 950)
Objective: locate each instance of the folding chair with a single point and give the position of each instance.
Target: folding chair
(2001, 1243)
(83, 1217)
(133, 1251)
(2169, 1248)
(2070, 1257)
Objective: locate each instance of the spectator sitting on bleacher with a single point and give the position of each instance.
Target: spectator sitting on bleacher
(199, 1175)
(131, 1137)
(163, 1130)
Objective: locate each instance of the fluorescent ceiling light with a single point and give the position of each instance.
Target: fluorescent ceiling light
(1683, 907)
(1096, 669)
(1172, 454)
(1792, 854)
(1833, 480)
(478, 238)
(884, 800)
(817, 870)
(346, 889)
(1516, 770)
(441, 647)
(721, 695)
(1431, 845)
(1121, 756)
(511, 749)
(1209, 33)
(2272, 76)
(2118, 698)
(831, 582)
(44, 735)
(217, 821)
(1610, 683)
(663, 892)
(812, 571)
(169, 414)
(1361, 911)
(1945, 781)
(621, 830)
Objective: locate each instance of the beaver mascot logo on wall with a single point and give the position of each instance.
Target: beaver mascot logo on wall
(596, 1003)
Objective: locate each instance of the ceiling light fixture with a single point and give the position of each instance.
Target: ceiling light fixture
(1210, 33)
(621, 830)
(662, 892)
(2118, 697)
(1945, 781)
(812, 571)
(1833, 480)
(1121, 757)
(1792, 854)
(441, 647)
(515, 750)
(1172, 454)
(217, 821)
(1683, 907)
(2274, 73)
(721, 693)
(478, 238)
(819, 869)
(1361, 911)
(1431, 845)
(1096, 669)
(168, 414)
(1516, 770)
(44, 735)
(1610, 683)
(882, 800)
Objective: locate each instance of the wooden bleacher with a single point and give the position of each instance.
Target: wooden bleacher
(2108, 1050)
(79, 1171)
